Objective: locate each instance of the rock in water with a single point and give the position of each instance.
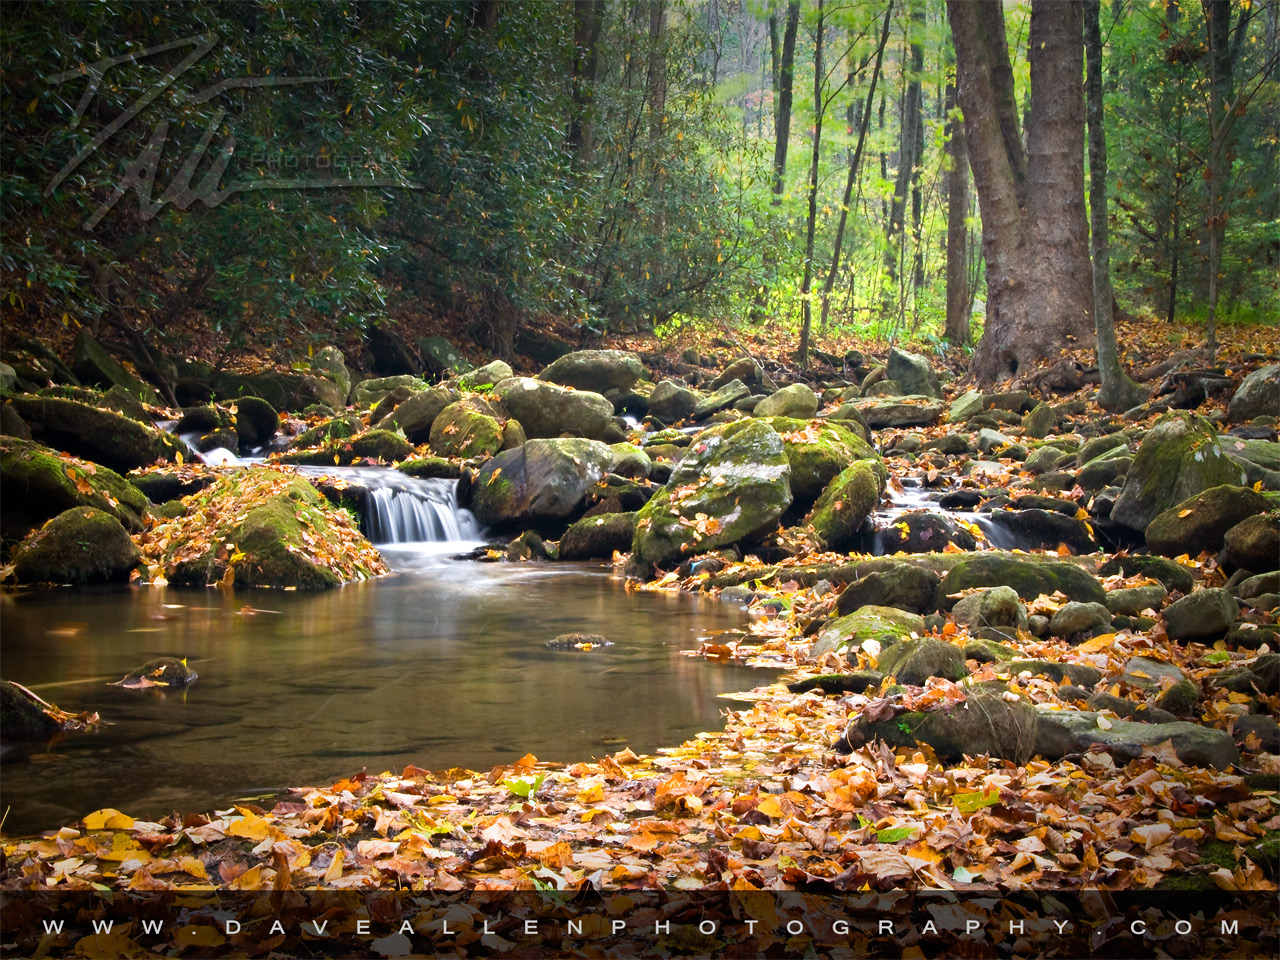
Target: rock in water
(578, 641)
(161, 672)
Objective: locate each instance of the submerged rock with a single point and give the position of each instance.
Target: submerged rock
(161, 672)
(21, 717)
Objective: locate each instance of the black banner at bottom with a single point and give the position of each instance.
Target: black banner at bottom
(636, 923)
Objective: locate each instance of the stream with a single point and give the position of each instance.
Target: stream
(443, 663)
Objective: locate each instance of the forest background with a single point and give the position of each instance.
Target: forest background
(280, 175)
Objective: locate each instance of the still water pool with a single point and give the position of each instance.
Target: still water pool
(442, 664)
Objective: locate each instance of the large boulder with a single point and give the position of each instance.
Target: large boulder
(442, 358)
(80, 545)
(596, 370)
(914, 661)
(1201, 522)
(1201, 615)
(37, 483)
(329, 364)
(1258, 394)
(284, 391)
(1029, 578)
(1178, 458)
(731, 486)
(98, 435)
(1254, 544)
(922, 531)
(540, 483)
(818, 450)
(466, 429)
(481, 378)
(905, 411)
(913, 374)
(549, 410)
(993, 613)
(366, 393)
(797, 400)
(1062, 732)
(749, 372)
(415, 416)
(671, 402)
(94, 365)
(261, 528)
(255, 421)
(596, 538)
(844, 506)
(1044, 529)
(903, 586)
(886, 625)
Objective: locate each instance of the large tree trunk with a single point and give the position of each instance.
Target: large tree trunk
(1039, 292)
(587, 18)
(957, 232)
(1118, 392)
(782, 117)
(807, 284)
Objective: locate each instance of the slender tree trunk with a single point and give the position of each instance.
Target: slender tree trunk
(907, 165)
(1118, 392)
(807, 283)
(1221, 96)
(786, 77)
(957, 326)
(587, 18)
(855, 163)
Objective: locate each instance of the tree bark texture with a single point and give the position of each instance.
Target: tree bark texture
(782, 121)
(957, 327)
(587, 18)
(806, 325)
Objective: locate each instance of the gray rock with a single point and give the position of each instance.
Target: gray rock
(721, 399)
(1062, 732)
(94, 365)
(1092, 449)
(1151, 674)
(915, 661)
(1178, 458)
(1257, 395)
(1044, 529)
(1076, 674)
(1200, 615)
(1043, 460)
(1039, 421)
(1173, 575)
(925, 532)
(1131, 601)
(414, 416)
(671, 402)
(903, 586)
(1202, 521)
(1254, 544)
(965, 406)
(749, 372)
(1259, 584)
(596, 538)
(991, 441)
(885, 624)
(1077, 620)
(549, 410)
(8, 377)
(543, 481)
(1103, 471)
(596, 370)
(995, 612)
(1029, 578)
(490, 374)
(368, 392)
(913, 373)
(442, 357)
(952, 444)
(908, 411)
(796, 400)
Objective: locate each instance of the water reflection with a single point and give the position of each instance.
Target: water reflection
(441, 664)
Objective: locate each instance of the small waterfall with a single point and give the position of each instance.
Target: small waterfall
(416, 511)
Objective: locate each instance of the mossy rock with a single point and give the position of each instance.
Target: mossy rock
(922, 531)
(916, 660)
(818, 450)
(415, 416)
(256, 422)
(630, 461)
(99, 435)
(290, 536)
(845, 505)
(835, 683)
(36, 483)
(1178, 458)
(540, 484)
(884, 624)
(21, 718)
(462, 430)
(1029, 578)
(1062, 732)
(1200, 522)
(903, 586)
(547, 410)
(1076, 674)
(1174, 576)
(337, 428)
(732, 486)
(80, 545)
(596, 538)
(429, 468)
(161, 672)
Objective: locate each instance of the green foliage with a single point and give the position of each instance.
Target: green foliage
(524, 787)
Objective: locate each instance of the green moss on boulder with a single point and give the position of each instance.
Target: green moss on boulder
(80, 545)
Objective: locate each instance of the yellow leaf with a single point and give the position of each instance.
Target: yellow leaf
(335, 868)
(922, 851)
(592, 794)
(108, 818)
(194, 867)
(1185, 513)
(107, 946)
(177, 456)
(249, 880)
(770, 807)
(557, 855)
(250, 826)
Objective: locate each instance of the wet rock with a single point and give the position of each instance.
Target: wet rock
(430, 468)
(913, 373)
(1043, 460)
(721, 399)
(1260, 459)
(21, 717)
(907, 411)
(925, 532)
(884, 624)
(415, 415)
(1040, 421)
(544, 481)
(1201, 615)
(484, 377)
(1077, 674)
(1079, 621)
(951, 444)
(796, 401)
(914, 660)
(94, 434)
(1259, 584)
(844, 506)
(369, 392)
(991, 613)
(860, 681)
(1178, 458)
(596, 370)
(903, 586)
(1029, 578)
(578, 641)
(734, 481)
(1173, 575)
(37, 484)
(466, 429)
(80, 545)
(1258, 394)
(548, 410)
(380, 445)
(1062, 732)
(1103, 471)
(1131, 601)
(256, 422)
(985, 723)
(596, 538)
(671, 402)
(818, 451)
(1254, 544)
(161, 672)
(1201, 522)
(963, 499)
(528, 546)
(1044, 529)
